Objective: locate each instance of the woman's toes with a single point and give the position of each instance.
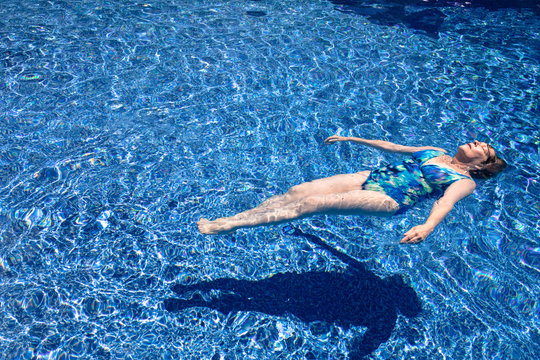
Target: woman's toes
(205, 226)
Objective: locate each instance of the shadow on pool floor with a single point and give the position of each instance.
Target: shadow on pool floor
(422, 14)
(356, 297)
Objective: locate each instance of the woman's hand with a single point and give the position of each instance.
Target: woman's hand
(455, 192)
(334, 138)
(417, 234)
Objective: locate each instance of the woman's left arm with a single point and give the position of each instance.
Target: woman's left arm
(455, 192)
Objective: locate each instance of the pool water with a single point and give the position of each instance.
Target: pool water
(123, 123)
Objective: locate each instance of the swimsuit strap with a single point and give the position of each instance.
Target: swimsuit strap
(424, 155)
(437, 173)
(442, 175)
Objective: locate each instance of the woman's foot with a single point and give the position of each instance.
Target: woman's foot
(213, 227)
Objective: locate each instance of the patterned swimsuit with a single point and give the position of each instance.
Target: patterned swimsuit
(410, 181)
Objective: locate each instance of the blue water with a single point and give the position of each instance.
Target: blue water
(123, 123)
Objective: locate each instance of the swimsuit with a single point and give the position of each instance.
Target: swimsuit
(410, 181)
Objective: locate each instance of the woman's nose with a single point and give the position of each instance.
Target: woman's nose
(475, 142)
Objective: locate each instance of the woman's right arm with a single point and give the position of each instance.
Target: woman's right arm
(381, 144)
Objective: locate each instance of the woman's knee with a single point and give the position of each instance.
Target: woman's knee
(388, 207)
(297, 190)
(311, 205)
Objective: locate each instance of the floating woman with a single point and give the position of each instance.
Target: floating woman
(386, 191)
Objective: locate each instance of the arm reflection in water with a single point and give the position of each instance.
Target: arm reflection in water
(356, 297)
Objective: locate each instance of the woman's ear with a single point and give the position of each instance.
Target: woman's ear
(475, 167)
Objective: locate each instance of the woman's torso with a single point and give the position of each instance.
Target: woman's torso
(427, 173)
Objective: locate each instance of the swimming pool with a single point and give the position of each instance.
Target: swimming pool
(122, 123)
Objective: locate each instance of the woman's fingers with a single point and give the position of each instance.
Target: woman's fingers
(415, 235)
(332, 139)
(411, 240)
(407, 239)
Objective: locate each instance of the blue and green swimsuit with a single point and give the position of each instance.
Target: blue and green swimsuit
(410, 181)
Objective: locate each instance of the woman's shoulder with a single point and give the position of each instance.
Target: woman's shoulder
(424, 155)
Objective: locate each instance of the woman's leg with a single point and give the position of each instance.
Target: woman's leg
(347, 203)
(330, 185)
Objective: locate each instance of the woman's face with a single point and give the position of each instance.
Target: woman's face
(475, 152)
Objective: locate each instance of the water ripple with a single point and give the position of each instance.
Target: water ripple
(123, 125)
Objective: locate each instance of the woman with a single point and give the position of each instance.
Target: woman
(382, 192)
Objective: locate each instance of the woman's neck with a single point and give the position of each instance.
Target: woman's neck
(459, 164)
